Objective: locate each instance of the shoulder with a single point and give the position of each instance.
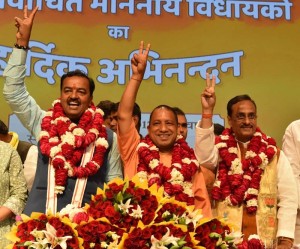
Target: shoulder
(294, 124)
(6, 151)
(5, 147)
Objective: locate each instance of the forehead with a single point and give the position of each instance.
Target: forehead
(181, 119)
(245, 106)
(77, 82)
(163, 114)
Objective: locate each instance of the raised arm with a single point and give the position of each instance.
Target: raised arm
(205, 150)
(138, 65)
(14, 90)
(208, 101)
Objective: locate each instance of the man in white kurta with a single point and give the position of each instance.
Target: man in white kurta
(242, 120)
(291, 147)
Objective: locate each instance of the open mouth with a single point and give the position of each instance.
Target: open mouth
(73, 104)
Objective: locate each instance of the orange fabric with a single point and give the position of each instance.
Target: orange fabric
(248, 223)
(201, 196)
(209, 178)
(127, 146)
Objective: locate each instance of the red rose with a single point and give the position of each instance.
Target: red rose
(82, 216)
(110, 211)
(255, 244)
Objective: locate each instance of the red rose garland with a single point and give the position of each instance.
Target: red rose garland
(177, 179)
(239, 180)
(64, 142)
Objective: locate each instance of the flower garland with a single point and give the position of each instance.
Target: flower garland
(64, 142)
(177, 179)
(239, 180)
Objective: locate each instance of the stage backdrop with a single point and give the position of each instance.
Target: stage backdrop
(251, 46)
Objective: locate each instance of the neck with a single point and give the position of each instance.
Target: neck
(5, 137)
(165, 158)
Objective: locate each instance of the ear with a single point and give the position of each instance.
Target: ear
(91, 100)
(135, 120)
(229, 120)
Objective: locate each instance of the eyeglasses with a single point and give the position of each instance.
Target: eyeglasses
(242, 116)
(183, 125)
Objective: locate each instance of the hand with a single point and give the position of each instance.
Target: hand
(24, 26)
(208, 97)
(285, 243)
(139, 62)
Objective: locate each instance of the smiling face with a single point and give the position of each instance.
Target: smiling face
(75, 96)
(162, 129)
(243, 120)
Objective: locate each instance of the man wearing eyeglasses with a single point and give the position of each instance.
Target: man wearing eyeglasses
(254, 188)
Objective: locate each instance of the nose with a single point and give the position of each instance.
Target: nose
(180, 129)
(247, 120)
(73, 95)
(163, 127)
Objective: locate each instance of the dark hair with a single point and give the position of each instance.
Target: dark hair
(237, 99)
(218, 129)
(137, 112)
(168, 108)
(107, 107)
(3, 128)
(78, 73)
(178, 111)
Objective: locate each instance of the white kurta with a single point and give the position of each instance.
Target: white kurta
(291, 148)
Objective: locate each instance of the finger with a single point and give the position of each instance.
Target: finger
(147, 49)
(208, 83)
(25, 12)
(18, 21)
(134, 60)
(141, 47)
(32, 15)
(213, 82)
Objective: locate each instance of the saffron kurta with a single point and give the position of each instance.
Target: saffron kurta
(128, 149)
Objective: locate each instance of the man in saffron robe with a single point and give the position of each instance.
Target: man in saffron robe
(161, 157)
(254, 188)
(76, 153)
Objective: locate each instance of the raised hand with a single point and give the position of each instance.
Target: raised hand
(208, 97)
(139, 62)
(24, 26)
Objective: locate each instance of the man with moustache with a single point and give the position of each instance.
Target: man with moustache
(77, 154)
(255, 188)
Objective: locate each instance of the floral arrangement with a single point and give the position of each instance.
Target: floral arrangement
(177, 179)
(65, 142)
(44, 231)
(238, 180)
(126, 214)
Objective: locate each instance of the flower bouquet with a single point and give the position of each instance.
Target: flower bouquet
(160, 236)
(124, 204)
(44, 231)
(127, 214)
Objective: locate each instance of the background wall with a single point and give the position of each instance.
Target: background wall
(252, 47)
